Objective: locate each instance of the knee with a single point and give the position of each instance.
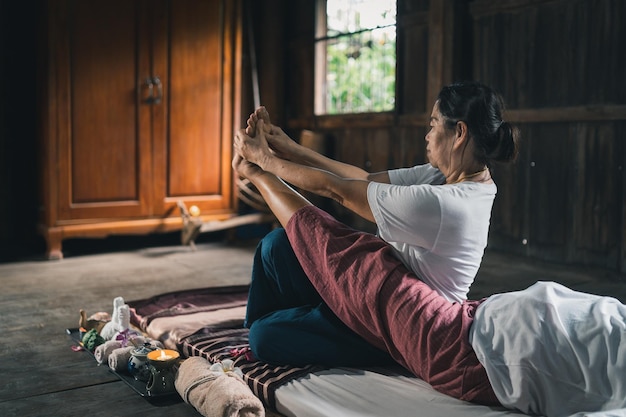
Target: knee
(274, 243)
(262, 339)
(275, 252)
(269, 249)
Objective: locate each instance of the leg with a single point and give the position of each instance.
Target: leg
(311, 335)
(278, 281)
(282, 200)
(289, 324)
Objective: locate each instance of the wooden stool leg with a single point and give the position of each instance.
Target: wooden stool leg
(191, 226)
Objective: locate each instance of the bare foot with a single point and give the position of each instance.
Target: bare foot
(244, 168)
(259, 114)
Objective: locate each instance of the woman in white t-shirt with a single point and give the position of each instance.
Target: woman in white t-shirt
(436, 216)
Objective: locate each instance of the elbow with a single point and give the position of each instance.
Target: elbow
(332, 193)
(338, 198)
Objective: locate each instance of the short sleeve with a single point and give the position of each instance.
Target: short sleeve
(406, 214)
(419, 174)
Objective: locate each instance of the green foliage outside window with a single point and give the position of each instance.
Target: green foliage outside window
(359, 43)
(361, 73)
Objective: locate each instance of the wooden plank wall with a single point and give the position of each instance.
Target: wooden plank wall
(559, 66)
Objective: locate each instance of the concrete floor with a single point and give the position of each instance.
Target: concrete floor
(39, 299)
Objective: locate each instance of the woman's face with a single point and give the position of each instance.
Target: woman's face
(439, 141)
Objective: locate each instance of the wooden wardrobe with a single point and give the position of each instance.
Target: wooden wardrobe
(139, 104)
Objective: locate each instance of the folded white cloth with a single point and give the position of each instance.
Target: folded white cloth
(118, 359)
(115, 325)
(103, 351)
(216, 393)
(552, 351)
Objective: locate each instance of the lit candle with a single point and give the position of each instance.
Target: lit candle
(163, 355)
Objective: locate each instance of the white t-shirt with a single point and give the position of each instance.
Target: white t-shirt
(553, 351)
(439, 231)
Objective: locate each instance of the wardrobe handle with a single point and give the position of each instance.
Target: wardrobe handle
(159, 86)
(151, 83)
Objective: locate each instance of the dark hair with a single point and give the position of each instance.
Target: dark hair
(481, 109)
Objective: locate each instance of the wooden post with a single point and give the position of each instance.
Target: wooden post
(441, 24)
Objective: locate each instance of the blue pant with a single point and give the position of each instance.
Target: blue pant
(289, 322)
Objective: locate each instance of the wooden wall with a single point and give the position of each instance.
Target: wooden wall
(559, 66)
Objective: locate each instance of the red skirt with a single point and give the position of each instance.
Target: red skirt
(373, 293)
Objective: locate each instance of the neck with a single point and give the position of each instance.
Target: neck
(481, 175)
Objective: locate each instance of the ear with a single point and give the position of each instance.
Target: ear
(461, 134)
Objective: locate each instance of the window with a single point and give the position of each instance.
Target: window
(355, 56)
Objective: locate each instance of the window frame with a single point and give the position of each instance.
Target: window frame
(320, 63)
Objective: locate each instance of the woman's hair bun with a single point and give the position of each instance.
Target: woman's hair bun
(506, 144)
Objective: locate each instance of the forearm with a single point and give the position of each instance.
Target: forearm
(309, 157)
(351, 193)
(314, 159)
(309, 178)
(286, 148)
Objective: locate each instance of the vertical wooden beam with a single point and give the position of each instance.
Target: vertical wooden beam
(320, 58)
(441, 24)
(237, 120)
(269, 42)
(231, 95)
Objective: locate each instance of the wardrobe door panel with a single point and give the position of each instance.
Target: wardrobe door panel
(104, 142)
(194, 138)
